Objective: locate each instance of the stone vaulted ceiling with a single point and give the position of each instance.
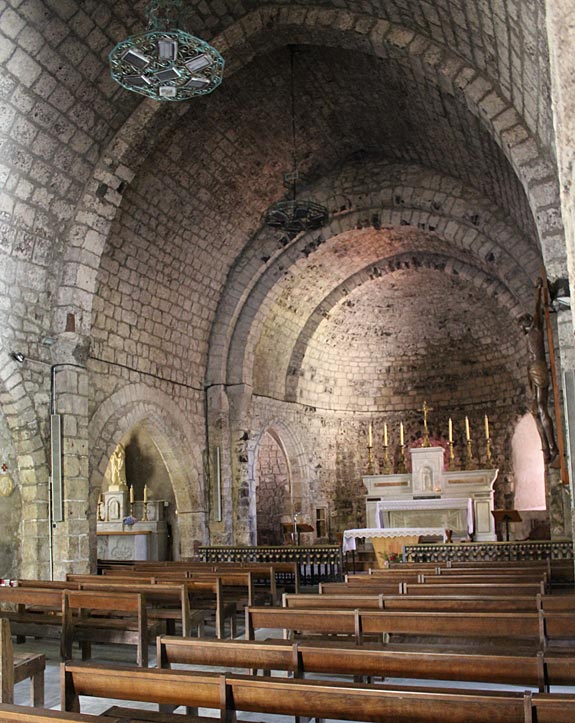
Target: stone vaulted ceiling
(441, 180)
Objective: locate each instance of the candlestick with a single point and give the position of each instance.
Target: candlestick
(486, 427)
(450, 430)
(401, 436)
(467, 432)
(385, 434)
(370, 436)
(469, 464)
(451, 461)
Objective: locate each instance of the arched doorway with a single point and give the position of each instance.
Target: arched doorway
(273, 490)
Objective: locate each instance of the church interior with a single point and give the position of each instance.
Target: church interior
(303, 290)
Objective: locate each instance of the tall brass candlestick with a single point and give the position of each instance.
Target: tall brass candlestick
(469, 455)
(488, 451)
(370, 465)
(451, 462)
(387, 468)
(401, 466)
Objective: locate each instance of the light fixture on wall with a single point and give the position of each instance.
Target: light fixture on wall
(295, 215)
(166, 62)
(560, 294)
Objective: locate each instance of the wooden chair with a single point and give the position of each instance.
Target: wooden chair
(14, 669)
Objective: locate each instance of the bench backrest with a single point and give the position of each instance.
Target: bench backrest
(469, 603)
(321, 699)
(541, 625)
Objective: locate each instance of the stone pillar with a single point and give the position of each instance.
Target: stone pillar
(240, 402)
(561, 38)
(221, 530)
(71, 537)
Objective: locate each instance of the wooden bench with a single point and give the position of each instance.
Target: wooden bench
(309, 698)
(430, 603)
(34, 612)
(202, 594)
(447, 588)
(541, 627)
(123, 620)
(19, 714)
(16, 668)
(541, 669)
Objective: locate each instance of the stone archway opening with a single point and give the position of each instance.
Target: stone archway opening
(274, 500)
(150, 500)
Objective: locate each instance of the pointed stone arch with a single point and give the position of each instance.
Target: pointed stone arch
(295, 456)
(176, 443)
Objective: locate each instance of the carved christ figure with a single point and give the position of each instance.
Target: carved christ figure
(538, 376)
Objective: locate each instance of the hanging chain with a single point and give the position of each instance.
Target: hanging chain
(165, 14)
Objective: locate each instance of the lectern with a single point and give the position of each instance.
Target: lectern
(294, 530)
(505, 517)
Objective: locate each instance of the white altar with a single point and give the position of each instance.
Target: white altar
(131, 531)
(431, 497)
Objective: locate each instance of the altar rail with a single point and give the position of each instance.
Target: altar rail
(490, 551)
(320, 563)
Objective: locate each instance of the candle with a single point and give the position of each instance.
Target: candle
(486, 427)
(385, 434)
(401, 437)
(99, 499)
(450, 430)
(467, 433)
(145, 494)
(369, 436)
(132, 494)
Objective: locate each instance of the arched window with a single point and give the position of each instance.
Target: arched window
(528, 466)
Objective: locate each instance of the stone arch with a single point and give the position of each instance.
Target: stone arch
(295, 456)
(240, 43)
(424, 204)
(137, 404)
(33, 471)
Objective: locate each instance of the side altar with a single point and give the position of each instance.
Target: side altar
(431, 497)
(131, 530)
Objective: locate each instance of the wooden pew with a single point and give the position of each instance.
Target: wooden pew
(128, 626)
(201, 593)
(298, 658)
(443, 588)
(310, 698)
(540, 627)
(19, 714)
(36, 612)
(16, 668)
(430, 603)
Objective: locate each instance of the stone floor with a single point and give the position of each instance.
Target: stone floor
(126, 655)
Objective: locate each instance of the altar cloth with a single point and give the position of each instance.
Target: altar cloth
(350, 536)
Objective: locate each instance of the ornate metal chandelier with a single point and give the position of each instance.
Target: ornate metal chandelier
(166, 63)
(295, 215)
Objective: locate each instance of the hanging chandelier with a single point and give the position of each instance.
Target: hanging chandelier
(165, 62)
(295, 215)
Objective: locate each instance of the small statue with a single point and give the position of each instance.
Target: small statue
(538, 376)
(118, 469)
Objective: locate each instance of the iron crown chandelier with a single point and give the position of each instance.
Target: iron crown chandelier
(295, 215)
(165, 62)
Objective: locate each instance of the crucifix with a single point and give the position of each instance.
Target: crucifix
(425, 409)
